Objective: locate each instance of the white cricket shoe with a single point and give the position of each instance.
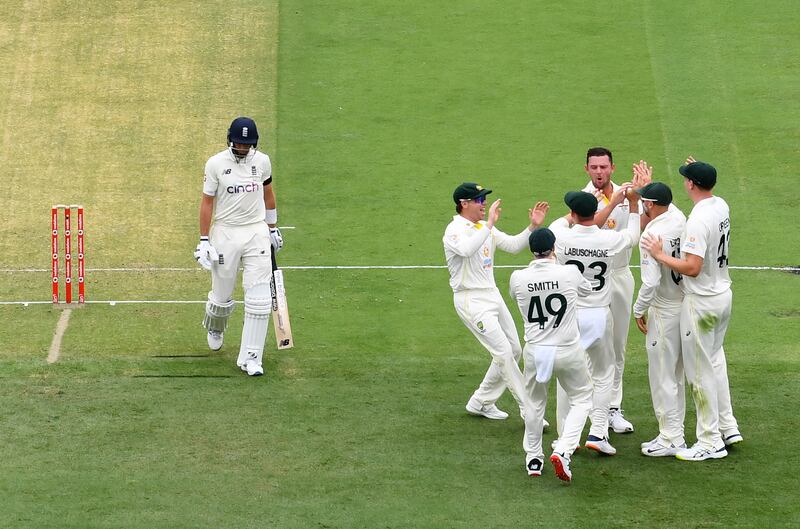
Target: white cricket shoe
(652, 441)
(215, 340)
(701, 453)
(489, 411)
(600, 445)
(732, 437)
(252, 368)
(659, 449)
(618, 422)
(561, 466)
(534, 466)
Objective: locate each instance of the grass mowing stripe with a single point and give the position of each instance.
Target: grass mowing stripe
(349, 267)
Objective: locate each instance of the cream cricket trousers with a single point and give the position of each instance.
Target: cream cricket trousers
(621, 285)
(704, 321)
(485, 314)
(665, 371)
(249, 245)
(572, 372)
(594, 324)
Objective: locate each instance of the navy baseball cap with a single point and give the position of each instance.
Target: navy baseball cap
(581, 202)
(701, 173)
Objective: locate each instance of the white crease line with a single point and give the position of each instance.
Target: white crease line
(111, 302)
(345, 267)
(55, 345)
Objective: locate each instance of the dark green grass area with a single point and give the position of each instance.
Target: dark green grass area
(399, 104)
(382, 109)
(360, 425)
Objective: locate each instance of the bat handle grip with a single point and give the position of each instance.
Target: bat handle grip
(274, 262)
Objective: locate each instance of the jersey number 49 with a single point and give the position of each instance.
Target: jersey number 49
(538, 312)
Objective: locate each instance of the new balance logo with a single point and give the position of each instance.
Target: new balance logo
(227, 171)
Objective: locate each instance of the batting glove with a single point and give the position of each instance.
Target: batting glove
(205, 254)
(276, 239)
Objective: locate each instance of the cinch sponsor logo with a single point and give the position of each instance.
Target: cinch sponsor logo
(246, 188)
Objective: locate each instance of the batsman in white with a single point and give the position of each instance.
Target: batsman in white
(547, 295)
(705, 311)
(657, 311)
(238, 195)
(600, 168)
(593, 251)
(469, 246)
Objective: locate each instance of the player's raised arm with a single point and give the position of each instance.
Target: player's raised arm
(517, 243)
(616, 199)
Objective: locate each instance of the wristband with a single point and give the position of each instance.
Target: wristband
(204, 238)
(272, 216)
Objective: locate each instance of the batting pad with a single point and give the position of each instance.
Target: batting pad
(216, 318)
(257, 307)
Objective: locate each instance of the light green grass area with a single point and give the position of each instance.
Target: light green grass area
(372, 112)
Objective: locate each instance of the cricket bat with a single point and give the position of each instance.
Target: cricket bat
(280, 310)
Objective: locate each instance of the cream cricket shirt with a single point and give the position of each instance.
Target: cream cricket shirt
(708, 233)
(469, 250)
(593, 251)
(617, 221)
(238, 187)
(547, 295)
(661, 287)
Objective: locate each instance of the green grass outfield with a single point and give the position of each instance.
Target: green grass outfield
(372, 112)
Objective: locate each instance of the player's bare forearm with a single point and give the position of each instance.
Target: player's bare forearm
(269, 199)
(633, 201)
(688, 267)
(601, 216)
(617, 198)
(206, 211)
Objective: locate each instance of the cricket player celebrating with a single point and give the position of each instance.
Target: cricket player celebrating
(657, 311)
(593, 251)
(705, 311)
(469, 246)
(547, 295)
(237, 191)
(600, 168)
